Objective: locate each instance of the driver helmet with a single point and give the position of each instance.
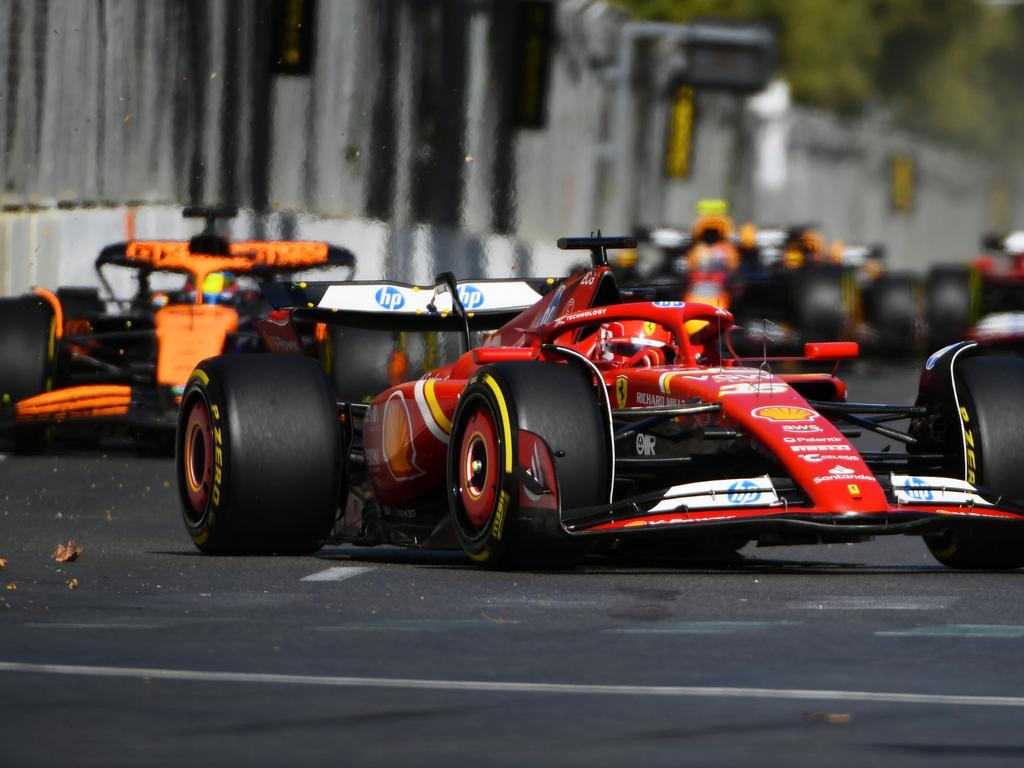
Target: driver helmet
(624, 340)
(1014, 243)
(218, 288)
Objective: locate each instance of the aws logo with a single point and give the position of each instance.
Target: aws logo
(398, 445)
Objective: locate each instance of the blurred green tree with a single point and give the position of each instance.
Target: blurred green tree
(949, 67)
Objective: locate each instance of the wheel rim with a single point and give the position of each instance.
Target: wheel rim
(198, 458)
(478, 467)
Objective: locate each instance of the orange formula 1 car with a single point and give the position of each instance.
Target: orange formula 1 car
(65, 360)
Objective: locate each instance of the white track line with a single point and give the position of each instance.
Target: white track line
(337, 573)
(192, 675)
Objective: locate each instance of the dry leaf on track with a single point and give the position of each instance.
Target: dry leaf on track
(72, 583)
(12, 585)
(3, 563)
(832, 718)
(67, 553)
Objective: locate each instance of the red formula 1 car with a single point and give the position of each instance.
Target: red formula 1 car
(587, 423)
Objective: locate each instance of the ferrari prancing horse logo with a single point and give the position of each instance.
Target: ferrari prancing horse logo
(621, 390)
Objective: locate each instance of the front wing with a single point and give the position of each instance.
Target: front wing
(140, 407)
(755, 507)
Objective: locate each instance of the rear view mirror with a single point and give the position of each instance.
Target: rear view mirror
(831, 350)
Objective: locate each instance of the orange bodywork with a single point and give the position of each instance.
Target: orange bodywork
(58, 312)
(71, 402)
(188, 333)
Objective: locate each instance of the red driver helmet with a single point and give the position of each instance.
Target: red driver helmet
(634, 343)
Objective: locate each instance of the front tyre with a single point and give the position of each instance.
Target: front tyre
(258, 455)
(951, 304)
(892, 311)
(27, 352)
(821, 302)
(989, 391)
(526, 418)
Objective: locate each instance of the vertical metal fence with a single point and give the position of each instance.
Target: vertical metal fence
(417, 113)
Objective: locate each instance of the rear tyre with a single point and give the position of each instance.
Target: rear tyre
(80, 303)
(949, 304)
(27, 349)
(506, 408)
(820, 302)
(258, 455)
(891, 311)
(990, 391)
(358, 362)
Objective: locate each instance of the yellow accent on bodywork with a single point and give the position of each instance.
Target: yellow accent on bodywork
(435, 408)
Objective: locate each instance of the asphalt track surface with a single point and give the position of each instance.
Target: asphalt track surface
(867, 654)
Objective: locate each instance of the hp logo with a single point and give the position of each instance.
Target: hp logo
(917, 489)
(470, 296)
(738, 493)
(390, 298)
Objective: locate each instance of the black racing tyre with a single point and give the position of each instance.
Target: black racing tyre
(820, 302)
(558, 404)
(80, 303)
(990, 391)
(358, 362)
(27, 350)
(259, 458)
(949, 304)
(891, 309)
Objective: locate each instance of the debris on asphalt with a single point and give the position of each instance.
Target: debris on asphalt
(11, 586)
(72, 583)
(3, 563)
(831, 718)
(67, 553)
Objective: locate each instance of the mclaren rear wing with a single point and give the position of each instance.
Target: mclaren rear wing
(214, 251)
(470, 305)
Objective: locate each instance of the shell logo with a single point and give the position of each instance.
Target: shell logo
(399, 449)
(784, 413)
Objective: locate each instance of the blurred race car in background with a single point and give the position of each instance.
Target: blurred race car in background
(65, 360)
(586, 423)
(786, 284)
(982, 301)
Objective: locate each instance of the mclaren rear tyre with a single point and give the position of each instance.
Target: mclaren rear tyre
(80, 303)
(821, 303)
(990, 391)
(528, 439)
(259, 459)
(361, 363)
(27, 350)
(891, 310)
(949, 304)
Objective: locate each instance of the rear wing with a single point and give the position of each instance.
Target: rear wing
(250, 256)
(473, 305)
